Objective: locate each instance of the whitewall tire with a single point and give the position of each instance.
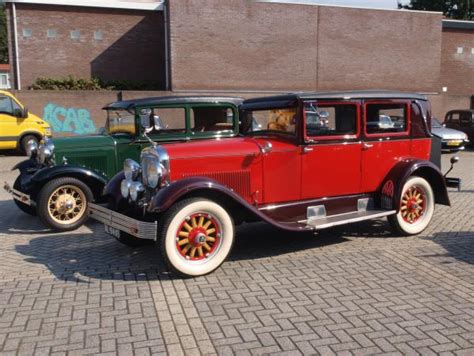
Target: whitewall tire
(416, 207)
(196, 236)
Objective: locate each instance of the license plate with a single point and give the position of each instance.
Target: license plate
(454, 143)
(112, 231)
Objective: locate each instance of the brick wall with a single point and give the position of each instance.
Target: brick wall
(131, 47)
(240, 44)
(457, 69)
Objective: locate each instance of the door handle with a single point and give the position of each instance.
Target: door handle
(366, 146)
(307, 149)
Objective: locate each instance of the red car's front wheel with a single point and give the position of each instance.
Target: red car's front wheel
(196, 237)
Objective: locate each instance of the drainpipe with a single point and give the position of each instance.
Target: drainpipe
(17, 57)
(167, 62)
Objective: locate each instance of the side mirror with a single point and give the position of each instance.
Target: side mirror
(25, 113)
(454, 159)
(145, 122)
(18, 113)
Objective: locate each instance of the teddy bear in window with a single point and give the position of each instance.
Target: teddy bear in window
(281, 120)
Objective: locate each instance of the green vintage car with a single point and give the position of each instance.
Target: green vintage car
(63, 175)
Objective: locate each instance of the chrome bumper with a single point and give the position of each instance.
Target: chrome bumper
(137, 228)
(16, 194)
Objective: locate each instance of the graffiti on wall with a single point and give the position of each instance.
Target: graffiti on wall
(69, 120)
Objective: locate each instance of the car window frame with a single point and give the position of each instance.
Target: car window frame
(345, 137)
(407, 131)
(11, 104)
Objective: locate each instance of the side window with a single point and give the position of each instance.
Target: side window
(164, 120)
(466, 119)
(330, 119)
(386, 118)
(212, 119)
(454, 118)
(278, 120)
(6, 106)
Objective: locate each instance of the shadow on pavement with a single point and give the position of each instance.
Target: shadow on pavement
(14, 221)
(458, 245)
(80, 256)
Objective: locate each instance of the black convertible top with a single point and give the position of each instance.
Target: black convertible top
(172, 100)
(288, 99)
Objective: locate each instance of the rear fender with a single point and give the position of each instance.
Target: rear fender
(391, 189)
(204, 187)
(92, 179)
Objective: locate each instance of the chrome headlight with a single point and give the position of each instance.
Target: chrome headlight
(131, 169)
(46, 149)
(32, 148)
(135, 189)
(125, 188)
(155, 167)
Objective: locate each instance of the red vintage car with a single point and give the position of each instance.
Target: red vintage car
(304, 161)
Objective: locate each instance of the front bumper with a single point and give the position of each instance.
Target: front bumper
(16, 194)
(110, 218)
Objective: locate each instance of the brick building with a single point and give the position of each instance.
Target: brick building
(241, 45)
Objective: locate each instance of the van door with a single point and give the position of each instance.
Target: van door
(8, 124)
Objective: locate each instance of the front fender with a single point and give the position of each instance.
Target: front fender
(23, 166)
(205, 187)
(391, 188)
(112, 189)
(94, 180)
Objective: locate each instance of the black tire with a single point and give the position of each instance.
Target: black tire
(170, 227)
(30, 210)
(68, 186)
(24, 142)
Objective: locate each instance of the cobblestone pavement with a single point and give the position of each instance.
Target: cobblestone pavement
(356, 288)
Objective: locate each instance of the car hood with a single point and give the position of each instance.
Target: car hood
(84, 142)
(448, 134)
(212, 148)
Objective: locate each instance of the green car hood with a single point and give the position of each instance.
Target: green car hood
(95, 152)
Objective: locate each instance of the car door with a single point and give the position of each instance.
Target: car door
(466, 123)
(331, 155)
(8, 124)
(386, 139)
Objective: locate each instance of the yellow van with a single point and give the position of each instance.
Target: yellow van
(17, 125)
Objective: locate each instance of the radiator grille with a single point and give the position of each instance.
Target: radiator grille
(239, 181)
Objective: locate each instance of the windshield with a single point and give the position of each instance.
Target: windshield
(435, 122)
(270, 120)
(120, 121)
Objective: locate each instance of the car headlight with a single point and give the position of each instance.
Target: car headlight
(32, 148)
(125, 188)
(151, 170)
(135, 189)
(131, 169)
(47, 131)
(46, 150)
(155, 167)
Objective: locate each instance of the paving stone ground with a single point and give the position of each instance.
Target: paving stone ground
(354, 289)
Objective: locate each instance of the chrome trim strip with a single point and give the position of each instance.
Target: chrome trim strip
(16, 194)
(341, 219)
(140, 229)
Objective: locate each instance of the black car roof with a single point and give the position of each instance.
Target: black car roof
(286, 99)
(172, 100)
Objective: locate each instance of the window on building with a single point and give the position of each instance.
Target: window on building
(460, 50)
(4, 81)
(386, 118)
(51, 33)
(98, 35)
(75, 34)
(27, 32)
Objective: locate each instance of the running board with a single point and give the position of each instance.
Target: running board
(319, 223)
